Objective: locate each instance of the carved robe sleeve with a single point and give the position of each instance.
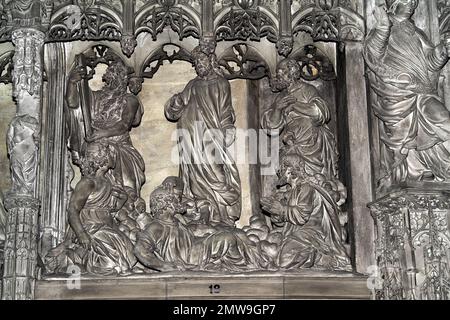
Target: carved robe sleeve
(174, 108)
(300, 206)
(376, 43)
(437, 57)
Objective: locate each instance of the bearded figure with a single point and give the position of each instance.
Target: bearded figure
(414, 123)
(113, 113)
(205, 117)
(301, 115)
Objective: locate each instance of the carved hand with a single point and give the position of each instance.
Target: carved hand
(94, 137)
(285, 102)
(85, 240)
(382, 17)
(77, 74)
(230, 136)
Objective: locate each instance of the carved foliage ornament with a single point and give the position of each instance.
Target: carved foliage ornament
(240, 24)
(83, 21)
(243, 62)
(154, 19)
(27, 73)
(329, 20)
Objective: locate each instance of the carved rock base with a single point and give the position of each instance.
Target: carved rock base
(413, 242)
(307, 285)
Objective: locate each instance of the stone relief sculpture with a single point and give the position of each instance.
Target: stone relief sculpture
(205, 117)
(22, 142)
(414, 122)
(301, 116)
(109, 115)
(94, 240)
(306, 206)
(305, 218)
(175, 240)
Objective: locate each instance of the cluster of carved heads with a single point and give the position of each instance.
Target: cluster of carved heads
(167, 197)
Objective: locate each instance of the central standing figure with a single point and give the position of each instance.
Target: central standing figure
(206, 118)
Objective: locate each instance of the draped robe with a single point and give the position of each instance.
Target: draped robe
(304, 131)
(129, 164)
(209, 173)
(414, 122)
(312, 235)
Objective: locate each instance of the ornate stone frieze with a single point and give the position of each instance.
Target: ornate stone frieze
(413, 243)
(243, 62)
(314, 64)
(246, 24)
(27, 72)
(85, 20)
(153, 18)
(20, 251)
(330, 20)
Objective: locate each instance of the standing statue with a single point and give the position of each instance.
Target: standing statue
(205, 117)
(94, 241)
(22, 141)
(111, 115)
(301, 115)
(404, 72)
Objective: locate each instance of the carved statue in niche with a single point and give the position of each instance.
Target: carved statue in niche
(305, 209)
(305, 217)
(109, 115)
(414, 122)
(175, 240)
(205, 117)
(94, 241)
(22, 141)
(301, 115)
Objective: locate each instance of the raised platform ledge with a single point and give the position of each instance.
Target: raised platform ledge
(303, 285)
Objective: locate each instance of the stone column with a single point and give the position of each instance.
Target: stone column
(359, 132)
(53, 188)
(21, 202)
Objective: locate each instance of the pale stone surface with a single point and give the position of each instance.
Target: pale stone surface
(302, 285)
